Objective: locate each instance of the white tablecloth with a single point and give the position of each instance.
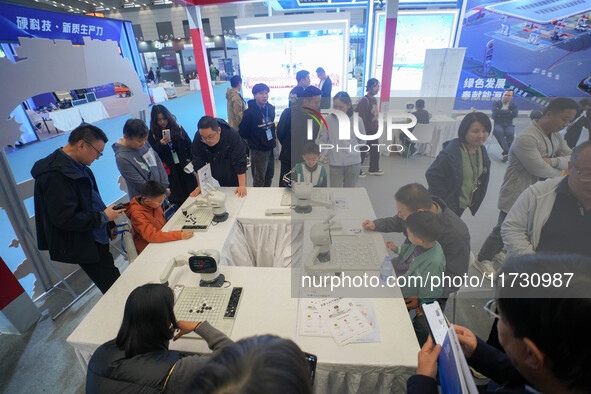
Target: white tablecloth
(269, 304)
(65, 119)
(445, 130)
(158, 94)
(268, 307)
(93, 112)
(353, 203)
(194, 84)
(168, 88)
(70, 118)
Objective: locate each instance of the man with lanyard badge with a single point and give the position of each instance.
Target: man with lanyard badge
(258, 129)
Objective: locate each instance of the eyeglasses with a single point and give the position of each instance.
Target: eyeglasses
(491, 307)
(98, 152)
(208, 139)
(585, 175)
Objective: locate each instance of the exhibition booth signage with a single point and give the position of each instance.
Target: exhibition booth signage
(29, 22)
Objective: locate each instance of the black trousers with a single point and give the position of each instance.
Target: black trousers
(285, 168)
(374, 155)
(104, 273)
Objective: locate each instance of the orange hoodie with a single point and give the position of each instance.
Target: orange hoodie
(147, 225)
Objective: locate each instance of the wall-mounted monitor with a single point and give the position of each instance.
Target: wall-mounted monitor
(276, 61)
(273, 49)
(540, 49)
(416, 31)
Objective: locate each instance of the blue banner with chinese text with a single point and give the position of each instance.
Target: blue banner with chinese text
(29, 22)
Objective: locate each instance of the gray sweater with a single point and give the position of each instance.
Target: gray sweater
(527, 165)
(138, 166)
(179, 379)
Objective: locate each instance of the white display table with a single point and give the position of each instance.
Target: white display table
(168, 88)
(93, 112)
(194, 84)
(65, 119)
(267, 305)
(70, 118)
(158, 94)
(445, 129)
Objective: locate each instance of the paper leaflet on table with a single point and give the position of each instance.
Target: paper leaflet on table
(205, 177)
(355, 321)
(310, 322)
(344, 320)
(454, 374)
(366, 308)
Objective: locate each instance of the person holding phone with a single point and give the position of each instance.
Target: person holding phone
(543, 331)
(173, 145)
(72, 221)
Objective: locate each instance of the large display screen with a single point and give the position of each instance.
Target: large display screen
(541, 50)
(276, 61)
(415, 33)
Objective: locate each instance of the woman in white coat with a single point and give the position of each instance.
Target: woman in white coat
(344, 157)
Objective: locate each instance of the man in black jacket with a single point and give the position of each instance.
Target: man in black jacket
(71, 219)
(455, 241)
(220, 145)
(258, 129)
(503, 112)
(292, 130)
(325, 87)
(303, 79)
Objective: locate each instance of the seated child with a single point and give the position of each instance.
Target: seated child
(423, 117)
(423, 257)
(147, 217)
(310, 170)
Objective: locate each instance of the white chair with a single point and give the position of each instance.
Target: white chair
(424, 135)
(126, 247)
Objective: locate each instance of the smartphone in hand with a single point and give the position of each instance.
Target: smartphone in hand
(166, 133)
(438, 324)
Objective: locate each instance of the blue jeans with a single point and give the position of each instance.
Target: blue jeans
(505, 136)
(263, 167)
(344, 176)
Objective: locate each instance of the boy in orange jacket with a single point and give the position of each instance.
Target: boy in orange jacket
(147, 217)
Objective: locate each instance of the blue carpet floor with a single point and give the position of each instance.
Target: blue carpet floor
(187, 109)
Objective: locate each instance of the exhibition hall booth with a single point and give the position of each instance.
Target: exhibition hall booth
(258, 252)
(267, 263)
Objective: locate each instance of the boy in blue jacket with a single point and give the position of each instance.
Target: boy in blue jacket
(423, 258)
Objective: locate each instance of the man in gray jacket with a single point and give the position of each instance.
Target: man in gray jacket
(554, 216)
(455, 242)
(539, 152)
(137, 162)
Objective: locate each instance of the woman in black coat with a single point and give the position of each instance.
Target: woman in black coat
(138, 359)
(174, 151)
(460, 173)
